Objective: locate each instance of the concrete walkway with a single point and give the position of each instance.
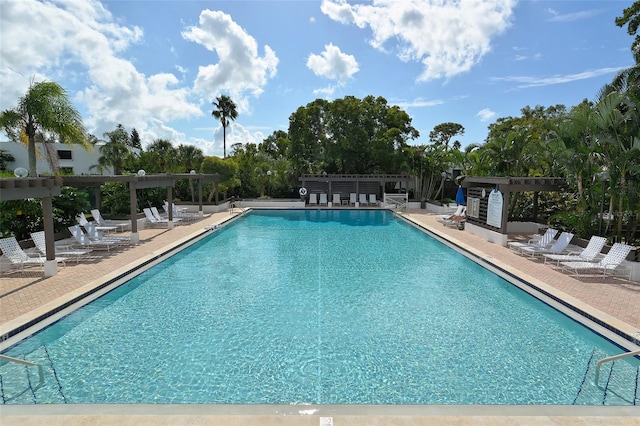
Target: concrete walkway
(28, 296)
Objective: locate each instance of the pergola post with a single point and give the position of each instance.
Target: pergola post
(133, 201)
(200, 208)
(50, 265)
(505, 209)
(170, 224)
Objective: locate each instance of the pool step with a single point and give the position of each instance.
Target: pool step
(618, 384)
(18, 383)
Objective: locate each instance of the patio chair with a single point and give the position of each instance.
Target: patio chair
(362, 198)
(610, 263)
(323, 200)
(590, 252)
(177, 213)
(40, 243)
(95, 235)
(372, 200)
(84, 241)
(336, 199)
(458, 212)
(313, 199)
(455, 221)
(82, 221)
(11, 250)
(157, 215)
(544, 241)
(97, 217)
(352, 198)
(558, 247)
(154, 221)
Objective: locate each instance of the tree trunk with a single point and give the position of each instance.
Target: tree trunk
(224, 141)
(31, 150)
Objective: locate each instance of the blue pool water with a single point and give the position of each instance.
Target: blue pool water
(321, 307)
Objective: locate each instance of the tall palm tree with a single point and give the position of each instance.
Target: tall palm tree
(43, 114)
(226, 111)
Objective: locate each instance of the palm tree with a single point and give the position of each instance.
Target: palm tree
(43, 114)
(115, 155)
(226, 111)
(163, 156)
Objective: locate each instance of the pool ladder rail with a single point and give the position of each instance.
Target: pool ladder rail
(234, 205)
(609, 359)
(28, 364)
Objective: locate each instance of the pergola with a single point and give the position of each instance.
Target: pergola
(479, 187)
(331, 183)
(47, 187)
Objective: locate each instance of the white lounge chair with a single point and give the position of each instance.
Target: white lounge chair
(84, 241)
(97, 217)
(157, 215)
(610, 263)
(558, 247)
(179, 214)
(455, 221)
(336, 200)
(372, 200)
(152, 219)
(545, 241)
(362, 198)
(458, 212)
(41, 245)
(82, 221)
(313, 199)
(11, 250)
(155, 220)
(323, 199)
(95, 235)
(590, 252)
(352, 198)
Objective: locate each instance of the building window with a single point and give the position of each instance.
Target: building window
(64, 154)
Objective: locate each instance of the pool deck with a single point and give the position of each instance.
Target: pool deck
(23, 297)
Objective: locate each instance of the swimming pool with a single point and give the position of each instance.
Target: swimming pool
(320, 307)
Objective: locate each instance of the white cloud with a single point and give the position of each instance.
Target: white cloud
(449, 37)
(240, 70)
(423, 103)
(523, 82)
(486, 114)
(535, 57)
(569, 17)
(325, 92)
(81, 40)
(333, 64)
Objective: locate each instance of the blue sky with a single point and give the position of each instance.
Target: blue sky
(157, 65)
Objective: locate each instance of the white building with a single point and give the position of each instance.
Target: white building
(73, 158)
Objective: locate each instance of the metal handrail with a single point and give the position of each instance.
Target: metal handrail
(397, 201)
(612, 358)
(28, 364)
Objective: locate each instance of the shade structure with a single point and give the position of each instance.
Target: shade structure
(460, 196)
